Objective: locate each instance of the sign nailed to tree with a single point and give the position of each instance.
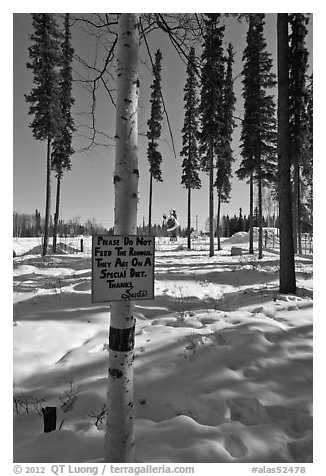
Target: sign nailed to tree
(122, 267)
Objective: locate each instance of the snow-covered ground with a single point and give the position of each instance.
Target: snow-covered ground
(223, 362)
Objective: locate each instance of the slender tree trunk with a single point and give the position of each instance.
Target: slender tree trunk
(211, 202)
(287, 266)
(251, 216)
(150, 203)
(218, 230)
(119, 440)
(295, 204)
(299, 213)
(56, 215)
(47, 199)
(189, 219)
(260, 215)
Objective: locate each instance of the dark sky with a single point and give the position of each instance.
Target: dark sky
(87, 190)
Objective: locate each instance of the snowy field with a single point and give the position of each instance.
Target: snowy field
(223, 362)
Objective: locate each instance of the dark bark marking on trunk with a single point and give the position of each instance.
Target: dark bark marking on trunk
(115, 373)
(122, 340)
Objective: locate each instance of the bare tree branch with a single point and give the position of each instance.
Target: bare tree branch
(95, 72)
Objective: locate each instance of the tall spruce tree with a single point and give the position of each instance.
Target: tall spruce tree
(307, 169)
(212, 106)
(225, 157)
(154, 132)
(38, 228)
(45, 59)
(190, 165)
(306, 166)
(298, 65)
(62, 149)
(258, 135)
(250, 95)
(287, 282)
(309, 115)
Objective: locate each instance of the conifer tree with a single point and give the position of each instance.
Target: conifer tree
(45, 58)
(212, 106)
(258, 135)
(154, 132)
(190, 165)
(250, 95)
(309, 115)
(225, 157)
(62, 148)
(307, 169)
(37, 223)
(298, 65)
(241, 220)
(306, 166)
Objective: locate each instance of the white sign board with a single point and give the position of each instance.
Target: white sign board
(122, 267)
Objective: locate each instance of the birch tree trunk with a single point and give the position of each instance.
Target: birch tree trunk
(119, 440)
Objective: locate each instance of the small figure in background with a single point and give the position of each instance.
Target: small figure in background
(171, 224)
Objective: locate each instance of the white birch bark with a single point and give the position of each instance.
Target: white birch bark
(119, 440)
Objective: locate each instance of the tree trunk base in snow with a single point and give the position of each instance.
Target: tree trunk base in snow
(49, 419)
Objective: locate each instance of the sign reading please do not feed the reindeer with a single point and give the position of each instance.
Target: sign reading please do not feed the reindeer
(122, 267)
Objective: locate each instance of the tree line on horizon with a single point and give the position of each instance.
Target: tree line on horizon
(32, 225)
(27, 225)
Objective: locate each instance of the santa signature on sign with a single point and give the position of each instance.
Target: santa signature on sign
(127, 296)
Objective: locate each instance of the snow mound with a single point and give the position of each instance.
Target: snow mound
(62, 249)
(240, 237)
